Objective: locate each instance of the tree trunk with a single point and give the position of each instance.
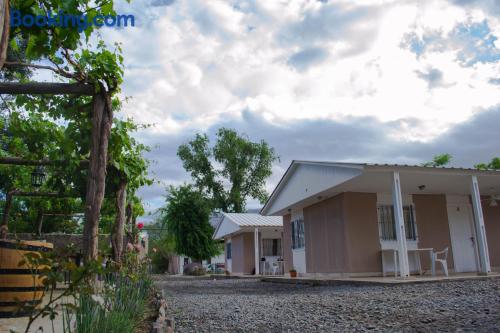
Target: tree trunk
(118, 228)
(39, 223)
(102, 118)
(4, 30)
(5, 219)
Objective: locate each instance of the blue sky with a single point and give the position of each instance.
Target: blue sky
(374, 81)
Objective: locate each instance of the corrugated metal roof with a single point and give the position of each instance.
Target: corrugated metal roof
(254, 220)
(393, 165)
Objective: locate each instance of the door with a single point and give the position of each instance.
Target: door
(462, 235)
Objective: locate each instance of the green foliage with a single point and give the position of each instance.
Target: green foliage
(187, 219)
(245, 165)
(118, 305)
(161, 245)
(439, 161)
(494, 164)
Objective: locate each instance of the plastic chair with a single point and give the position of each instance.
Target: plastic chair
(275, 267)
(441, 260)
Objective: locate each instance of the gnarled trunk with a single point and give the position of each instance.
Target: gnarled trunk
(102, 119)
(118, 228)
(4, 30)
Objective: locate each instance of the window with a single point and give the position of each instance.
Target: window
(271, 247)
(298, 239)
(387, 223)
(228, 251)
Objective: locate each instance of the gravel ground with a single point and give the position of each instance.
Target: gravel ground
(254, 306)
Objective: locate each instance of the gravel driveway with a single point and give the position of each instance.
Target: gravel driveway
(254, 306)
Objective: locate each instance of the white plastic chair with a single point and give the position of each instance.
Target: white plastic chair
(441, 260)
(275, 267)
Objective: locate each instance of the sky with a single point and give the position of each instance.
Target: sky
(361, 81)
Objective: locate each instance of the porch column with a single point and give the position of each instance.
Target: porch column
(482, 243)
(256, 248)
(397, 201)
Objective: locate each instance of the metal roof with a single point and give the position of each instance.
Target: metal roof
(254, 220)
(370, 166)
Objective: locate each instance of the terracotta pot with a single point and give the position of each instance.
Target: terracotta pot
(293, 274)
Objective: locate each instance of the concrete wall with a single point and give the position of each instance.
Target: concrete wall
(363, 243)
(432, 225)
(325, 236)
(287, 243)
(492, 225)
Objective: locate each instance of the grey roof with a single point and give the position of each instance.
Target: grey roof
(254, 220)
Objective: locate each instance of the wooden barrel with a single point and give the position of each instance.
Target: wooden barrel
(19, 284)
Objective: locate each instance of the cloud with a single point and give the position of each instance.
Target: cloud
(433, 77)
(338, 80)
(304, 59)
(471, 42)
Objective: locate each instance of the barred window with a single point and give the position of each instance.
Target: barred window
(298, 238)
(228, 251)
(387, 223)
(271, 247)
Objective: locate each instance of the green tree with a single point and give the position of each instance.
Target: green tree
(439, 161)
(187, 219)
(494, 164)
(69, 54)
(234, 159)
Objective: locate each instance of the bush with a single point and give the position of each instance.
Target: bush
(194, 269)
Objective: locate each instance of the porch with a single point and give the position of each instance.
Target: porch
(372, 220)
(325, 280)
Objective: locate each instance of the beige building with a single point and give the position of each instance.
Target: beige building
(353, 219)
(252, 243)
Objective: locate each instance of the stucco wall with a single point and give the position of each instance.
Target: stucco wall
(492, 225)
(432, 225)
(243, 255)
(287, 243)
(325, 236)
(363, 243)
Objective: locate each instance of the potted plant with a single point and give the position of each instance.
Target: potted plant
(293, 272)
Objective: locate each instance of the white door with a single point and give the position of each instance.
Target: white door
(462, 235)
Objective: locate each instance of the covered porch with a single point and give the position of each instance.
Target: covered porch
(392, 221)
(419, 202)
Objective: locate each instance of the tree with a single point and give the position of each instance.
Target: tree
(187, 219)
(244, 164)
(494, 164)
(67, 53)
(439, 161)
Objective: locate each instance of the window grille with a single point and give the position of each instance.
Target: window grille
(387, 223)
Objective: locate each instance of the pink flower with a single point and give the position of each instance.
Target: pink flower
(140, 225)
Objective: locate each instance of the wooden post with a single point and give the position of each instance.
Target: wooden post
(118, 228)
(39, 223)
(5, 218)
(4, 30)
(102, 118)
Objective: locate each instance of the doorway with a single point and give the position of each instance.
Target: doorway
(463, 238)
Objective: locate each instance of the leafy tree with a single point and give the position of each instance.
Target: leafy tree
(494, 164)
(67, 52)
(234, 159)
(187, 219)
(439, 161)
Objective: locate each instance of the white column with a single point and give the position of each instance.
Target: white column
(256, 248)
(482, 244)
(397, 201)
